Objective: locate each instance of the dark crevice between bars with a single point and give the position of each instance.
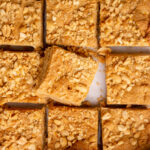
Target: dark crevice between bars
(16, 48)
(100, 143)
(51, 102)
(126, 106)
(98, 25)
(45, 146)
(44, 24)
(24, 105)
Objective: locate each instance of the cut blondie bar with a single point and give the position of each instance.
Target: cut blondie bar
(21, 129)
(125, 129)
(125, 23)
(19, 73)
(72, 128)
(66, 76)
(21, 22)
(72, 22)
(127, 78)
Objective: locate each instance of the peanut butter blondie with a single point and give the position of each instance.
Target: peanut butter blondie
(125, 129)
(125, 23)
(19, 73)
(127, 79)
(66, 76)
(72, 128)
(21, 129)
(21, 22)
(72, 22)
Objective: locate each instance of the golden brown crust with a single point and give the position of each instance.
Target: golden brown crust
(72, 128)
(21, 22)
(124, 129)
(125, 23)
(68, 76)
(21, 129)
(72, 23)
(18, 76)
(126, 79)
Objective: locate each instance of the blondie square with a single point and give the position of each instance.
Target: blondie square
(21, 22)
(127, 79)
(21, 129)
(125, 23)
(66, 76)
(125, 129)
(72, 22)
(72, 128)
(19, 73)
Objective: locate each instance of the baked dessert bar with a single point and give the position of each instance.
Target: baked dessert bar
(21, 129)
(125, 129)
(72, 128)
(127, 79)
(21, 22)
(72, 22)
(19, 73)
(125, 23)
(66, 76)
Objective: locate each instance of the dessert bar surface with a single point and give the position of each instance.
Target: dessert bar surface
(21, 129)
(21, 22)
(127, 79)
(66, 76)
(72, 128)
(18, 75)
(125, 23)
(72, 22)
(125, 129)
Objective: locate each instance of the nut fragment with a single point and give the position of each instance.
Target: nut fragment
(133, 141)
(57, 145)
(141, 127)
(106, 116)
(64, 133)
(125, 115)
(70, 138)
(57, 122)
(121, 128)
(63, 142)
(6, 31)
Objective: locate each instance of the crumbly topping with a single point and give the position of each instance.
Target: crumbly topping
(72, 128)
(126, 78)
(68, 77)
(18, 74)
(125, 23)
(125, 129)
(21, 129)
(72, 22)
(21, 22)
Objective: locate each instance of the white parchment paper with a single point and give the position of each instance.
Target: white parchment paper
(98, 86)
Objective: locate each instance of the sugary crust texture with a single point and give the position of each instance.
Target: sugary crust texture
(125, 129)
(127, 79)
(72, 128)
(21, 22)
(18, 76)
(125, 23)
(21, 129)
(68, 76)
(72, 22)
